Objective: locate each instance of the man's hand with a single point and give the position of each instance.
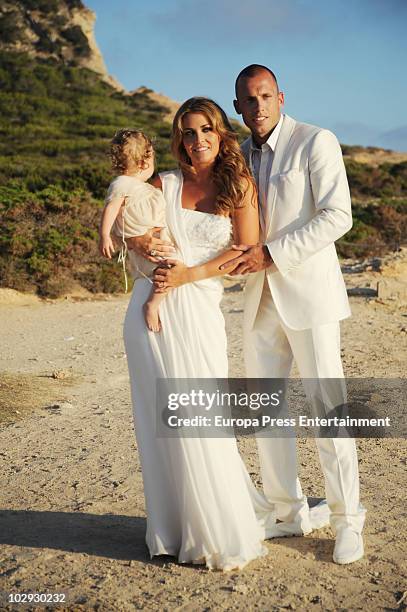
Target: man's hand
(150, 247)
(253, 259)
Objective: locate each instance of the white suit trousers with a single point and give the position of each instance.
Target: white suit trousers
(269, 349)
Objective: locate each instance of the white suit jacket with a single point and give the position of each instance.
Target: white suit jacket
(308, 208)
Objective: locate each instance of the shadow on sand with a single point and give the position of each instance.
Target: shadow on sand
(109, 535)
(112, 536)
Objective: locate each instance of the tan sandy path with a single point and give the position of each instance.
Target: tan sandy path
(72, 510)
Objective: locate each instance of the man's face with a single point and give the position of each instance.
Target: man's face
(259, 103)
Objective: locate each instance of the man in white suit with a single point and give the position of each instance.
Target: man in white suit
(295, 294)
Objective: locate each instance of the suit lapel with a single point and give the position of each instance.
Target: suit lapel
(279, 157)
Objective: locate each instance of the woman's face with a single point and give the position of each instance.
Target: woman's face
(199, 138)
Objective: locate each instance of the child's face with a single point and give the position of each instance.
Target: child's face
(143, 169)
(146, 167)
(149, 164)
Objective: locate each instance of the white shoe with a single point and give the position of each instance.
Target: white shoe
(348, 546)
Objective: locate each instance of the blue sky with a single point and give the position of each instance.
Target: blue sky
(341, 64)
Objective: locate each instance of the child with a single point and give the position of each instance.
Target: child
(132, 207)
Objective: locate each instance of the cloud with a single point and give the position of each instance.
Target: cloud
(220, 22)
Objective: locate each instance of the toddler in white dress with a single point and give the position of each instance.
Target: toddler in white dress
(132, 207)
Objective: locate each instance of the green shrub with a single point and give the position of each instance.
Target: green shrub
(377, 227)
(10, 30)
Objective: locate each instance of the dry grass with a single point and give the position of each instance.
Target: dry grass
(377, 157)
(22, 394)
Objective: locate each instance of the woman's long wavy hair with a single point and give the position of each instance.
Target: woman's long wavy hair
(230, 173)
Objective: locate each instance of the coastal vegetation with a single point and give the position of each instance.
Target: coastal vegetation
(56, 121)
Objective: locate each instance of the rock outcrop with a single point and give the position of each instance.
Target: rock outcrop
(58, 29)
(160, 99)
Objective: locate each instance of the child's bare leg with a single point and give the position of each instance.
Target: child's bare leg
(151, 312)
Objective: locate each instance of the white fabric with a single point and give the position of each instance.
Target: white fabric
(145, 205)
(201, 504)
(269, 348)
(293, 311)
(308, 208)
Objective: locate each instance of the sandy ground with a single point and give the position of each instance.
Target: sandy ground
(72, 509)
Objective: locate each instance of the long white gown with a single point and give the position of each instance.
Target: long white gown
(200, 501)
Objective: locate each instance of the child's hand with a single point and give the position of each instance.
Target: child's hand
(106, 247)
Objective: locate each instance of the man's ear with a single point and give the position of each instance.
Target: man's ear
(237, 107)
(281, 98)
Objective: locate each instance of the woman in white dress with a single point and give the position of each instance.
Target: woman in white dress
(201, 505)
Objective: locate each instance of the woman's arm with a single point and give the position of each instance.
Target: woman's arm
(245, 231)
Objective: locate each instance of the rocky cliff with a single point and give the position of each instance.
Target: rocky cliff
(58, 29)
(64, 31)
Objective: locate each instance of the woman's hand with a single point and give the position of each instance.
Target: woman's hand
(173, 275)
(151, 248)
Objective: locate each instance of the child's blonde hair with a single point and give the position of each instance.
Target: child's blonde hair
(129, 144)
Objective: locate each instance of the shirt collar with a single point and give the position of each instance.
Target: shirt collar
(271, 142)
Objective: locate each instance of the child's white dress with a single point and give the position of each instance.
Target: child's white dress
(144, 208)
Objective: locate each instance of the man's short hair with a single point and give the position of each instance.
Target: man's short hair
(251, 71)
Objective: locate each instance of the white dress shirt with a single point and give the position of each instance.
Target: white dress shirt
(261, 160)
